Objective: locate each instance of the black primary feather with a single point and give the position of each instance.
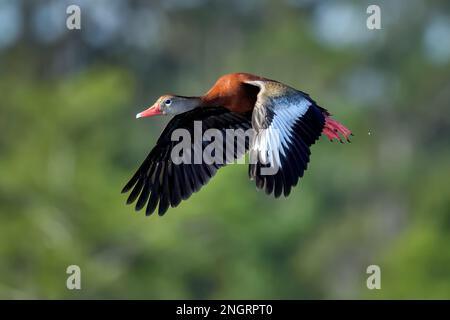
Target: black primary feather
(159, 182)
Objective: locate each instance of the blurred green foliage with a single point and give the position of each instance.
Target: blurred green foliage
(69, 142)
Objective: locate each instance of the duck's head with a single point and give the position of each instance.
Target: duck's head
(170, 105)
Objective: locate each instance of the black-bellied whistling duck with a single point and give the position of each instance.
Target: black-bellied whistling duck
(236, 101)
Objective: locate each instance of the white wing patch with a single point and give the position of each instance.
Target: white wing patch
(269, 142)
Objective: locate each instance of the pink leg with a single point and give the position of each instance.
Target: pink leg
(333, 128)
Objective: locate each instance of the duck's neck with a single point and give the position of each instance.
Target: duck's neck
(185, 104)
(193, 102)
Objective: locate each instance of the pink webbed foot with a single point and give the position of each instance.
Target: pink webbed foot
(334, 130)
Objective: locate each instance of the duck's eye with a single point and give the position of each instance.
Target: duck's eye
(168, 102)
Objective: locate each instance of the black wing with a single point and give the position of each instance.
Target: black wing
(160, 180)
(286, 126)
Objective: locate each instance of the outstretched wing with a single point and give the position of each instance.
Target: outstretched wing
(160, 180)
(286, 123)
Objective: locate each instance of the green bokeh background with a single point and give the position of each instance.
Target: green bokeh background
(69, 141)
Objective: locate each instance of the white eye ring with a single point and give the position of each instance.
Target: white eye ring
(168, 102)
